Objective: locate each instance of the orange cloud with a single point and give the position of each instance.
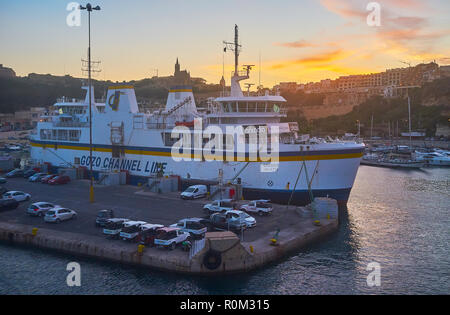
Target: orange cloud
(298, 44)
(316, 59)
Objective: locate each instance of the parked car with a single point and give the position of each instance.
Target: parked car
(103, 216)
(37, 177)
(194, 192)
(3, 190)
(170, 237)
(241, 216)
(40, 208)
(219, 205)
(8, 204)
(17, 195)
(3, 180)
(59, 214)
(221, 221)
(148, 234)
(261, 207)
(131, 230)
(45, 179)
(194, 226)
(59, 180)
(113, 227)
(15, 173)
(28, 173)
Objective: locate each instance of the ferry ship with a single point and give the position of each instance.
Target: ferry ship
(125, 139)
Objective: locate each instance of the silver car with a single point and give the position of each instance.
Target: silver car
(17, 195)
(59, 214)
(40, 208)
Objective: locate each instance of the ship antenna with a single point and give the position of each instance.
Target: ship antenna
(234, 47)
(259, 83)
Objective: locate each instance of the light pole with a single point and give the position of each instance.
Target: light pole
(89, 9)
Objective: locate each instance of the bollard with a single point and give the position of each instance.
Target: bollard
(140, 249)
(328, 216)
(251, 249)
(34, 231)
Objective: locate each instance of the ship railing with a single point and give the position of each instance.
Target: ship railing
(159, 125)
(71, 124)
(69, 100)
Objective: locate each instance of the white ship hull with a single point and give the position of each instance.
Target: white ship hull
(330, 173)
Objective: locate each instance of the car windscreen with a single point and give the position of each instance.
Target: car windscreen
(50, 212)
(113, 225)
(131, 229)
(189, 190)
(194, 225)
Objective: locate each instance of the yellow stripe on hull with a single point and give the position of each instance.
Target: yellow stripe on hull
(208, 158)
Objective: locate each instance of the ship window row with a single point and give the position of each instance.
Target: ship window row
(60, 134)
(71, 110)
(249, 107)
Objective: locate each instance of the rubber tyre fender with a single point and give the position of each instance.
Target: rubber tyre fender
(212, 259)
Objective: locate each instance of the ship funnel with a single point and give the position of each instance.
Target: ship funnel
(121, 99)
(181, 101)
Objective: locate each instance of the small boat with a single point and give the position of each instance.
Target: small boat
(433, 158)
(375, 160)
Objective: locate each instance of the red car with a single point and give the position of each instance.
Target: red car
(59, 180)
(47, 178)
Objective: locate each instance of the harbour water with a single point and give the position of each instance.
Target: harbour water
(397, 218)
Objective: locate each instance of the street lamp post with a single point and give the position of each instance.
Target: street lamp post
(89, 9)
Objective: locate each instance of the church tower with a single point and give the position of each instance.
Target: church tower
(177, 68)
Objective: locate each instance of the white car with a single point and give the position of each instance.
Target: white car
(40, 208)
(219, 206)
(131, 229)
(170, 237)
(113, 227)
(242, 217)
(194, 192)
(17, 195)
(261, 207)
(59, 214)
(194, 226)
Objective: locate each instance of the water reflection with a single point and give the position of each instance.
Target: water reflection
(399, 219)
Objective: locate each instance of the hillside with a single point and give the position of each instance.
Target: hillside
(430, 104)
(21, 93)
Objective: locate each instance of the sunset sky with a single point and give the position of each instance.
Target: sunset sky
(299, 40)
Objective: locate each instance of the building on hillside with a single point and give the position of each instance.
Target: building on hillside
(444, 71)
(181, 77)
(6, 72)
(21, 120)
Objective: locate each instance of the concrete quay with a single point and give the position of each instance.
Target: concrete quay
(229, 252)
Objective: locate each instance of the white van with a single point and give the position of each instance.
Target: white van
(194, 192)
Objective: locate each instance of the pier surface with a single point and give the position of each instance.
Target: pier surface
(238, 253)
